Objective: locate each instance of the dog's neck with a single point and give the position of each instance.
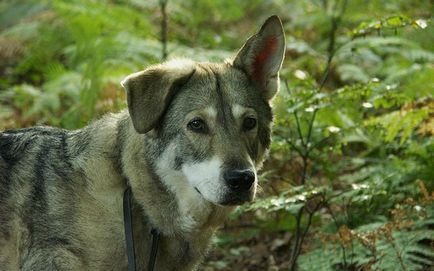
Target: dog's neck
(179, 211)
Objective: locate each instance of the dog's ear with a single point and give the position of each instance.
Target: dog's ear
(262, 55)
(149, 92)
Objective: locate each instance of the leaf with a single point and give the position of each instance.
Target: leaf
(352, 73)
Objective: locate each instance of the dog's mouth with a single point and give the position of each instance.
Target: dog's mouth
(231, 199)
(236, 199)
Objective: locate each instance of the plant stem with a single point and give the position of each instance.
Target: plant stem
(327, 205)
(294, 255)
(163, 9)
(398, 254)
(300, 236)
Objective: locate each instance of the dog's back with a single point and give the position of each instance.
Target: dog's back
(54, 206)
(29, 218)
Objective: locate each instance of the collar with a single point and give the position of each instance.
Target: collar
(129, 237)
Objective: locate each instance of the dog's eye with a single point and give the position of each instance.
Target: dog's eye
(197, 126)
(249, 123)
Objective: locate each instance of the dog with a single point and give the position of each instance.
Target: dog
(188, 146)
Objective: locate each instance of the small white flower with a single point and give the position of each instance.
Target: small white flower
(422, 23)
(356, 186)
(276, 202)
(300, 74)
(375, 80)
(300, 197)
(217, 38)
(333, 129)
(393, 86)
(309, 109)
(367, 105)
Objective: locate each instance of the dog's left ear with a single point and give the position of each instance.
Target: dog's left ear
(262, 56)
(149, 92)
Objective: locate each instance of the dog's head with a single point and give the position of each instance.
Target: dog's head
(209, 123)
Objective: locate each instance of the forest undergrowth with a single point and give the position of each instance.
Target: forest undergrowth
(349, 180)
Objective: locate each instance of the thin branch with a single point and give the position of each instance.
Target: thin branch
(163, 9)
(303, 235)
(300, 237)
(398, 254)
(294, 255)
(297, 149)
(296, 118)
(299, 129)
(304, 154)
(304, 171)
(317, 144)
(309, 133)
(306, 229)
(335, 20)
(327, 205)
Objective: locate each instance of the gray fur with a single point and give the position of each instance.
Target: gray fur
(61, 191)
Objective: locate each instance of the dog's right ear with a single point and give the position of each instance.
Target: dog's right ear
(149, 92)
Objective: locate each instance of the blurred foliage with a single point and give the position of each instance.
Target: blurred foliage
(351, 169)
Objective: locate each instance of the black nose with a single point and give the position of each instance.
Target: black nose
(240, 180)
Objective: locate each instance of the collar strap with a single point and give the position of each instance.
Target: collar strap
(129, 236)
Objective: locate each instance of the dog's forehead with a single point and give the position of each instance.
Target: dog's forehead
(219, 85)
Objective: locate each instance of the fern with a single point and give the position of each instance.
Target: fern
(367, 55)
(403, 251)
(403, 122)
(402, 244)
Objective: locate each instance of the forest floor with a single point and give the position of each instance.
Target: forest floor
(264, 251)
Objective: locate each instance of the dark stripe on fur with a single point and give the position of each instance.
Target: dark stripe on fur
(178, 162)
(222, 114)
(120, 145)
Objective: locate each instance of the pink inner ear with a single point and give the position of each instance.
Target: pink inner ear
(262, 57)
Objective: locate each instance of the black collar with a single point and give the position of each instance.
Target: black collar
(129, 238)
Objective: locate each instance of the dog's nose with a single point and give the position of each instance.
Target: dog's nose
(240, 180)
